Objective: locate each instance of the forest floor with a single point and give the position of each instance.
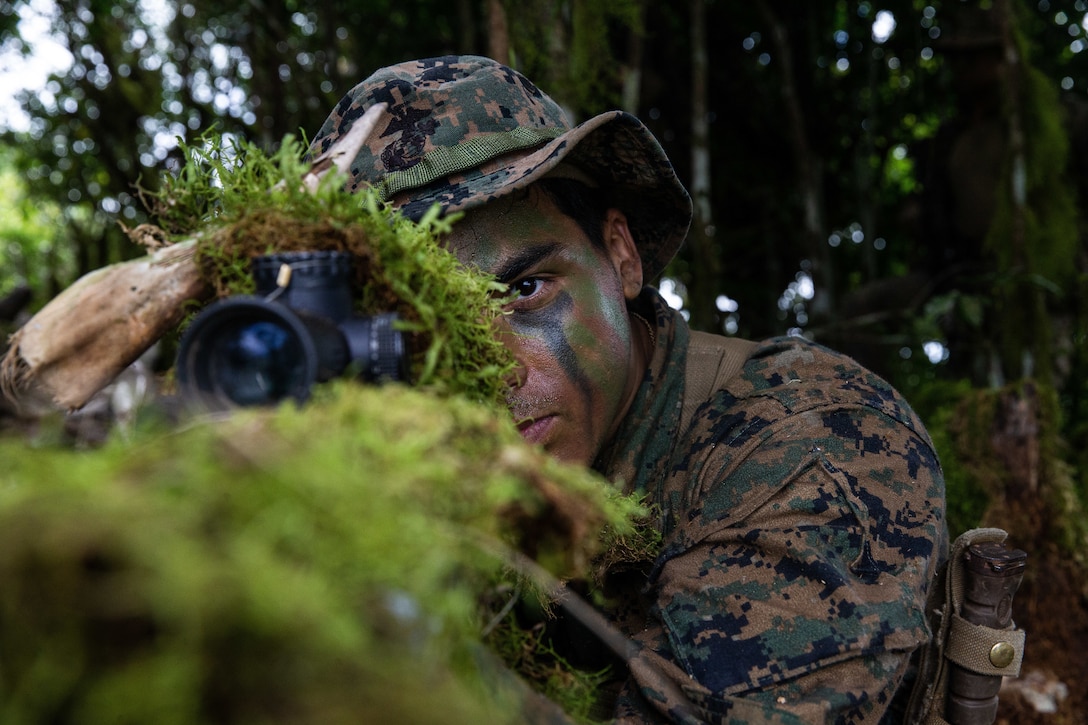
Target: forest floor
(1051, 607)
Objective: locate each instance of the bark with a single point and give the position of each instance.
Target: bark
(1018, 344)
(82, 339)
(498, 35)
(632, 72)
(705, 275)
(1015, 440)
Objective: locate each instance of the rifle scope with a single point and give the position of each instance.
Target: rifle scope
(297, 331)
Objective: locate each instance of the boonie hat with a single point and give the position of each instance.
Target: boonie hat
(463, 130)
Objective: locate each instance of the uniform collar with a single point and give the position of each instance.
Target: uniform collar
(639, 456)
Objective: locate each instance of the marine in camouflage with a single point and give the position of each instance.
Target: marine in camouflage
(803, 519)
(802, 504)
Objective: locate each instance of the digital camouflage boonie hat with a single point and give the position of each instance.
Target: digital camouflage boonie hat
(463, 130)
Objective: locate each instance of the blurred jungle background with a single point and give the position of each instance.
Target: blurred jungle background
(903, 180)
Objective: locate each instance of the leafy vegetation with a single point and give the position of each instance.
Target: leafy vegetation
(32, 252)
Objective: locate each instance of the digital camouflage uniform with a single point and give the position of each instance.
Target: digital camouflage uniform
(802, 510)
(802, 514)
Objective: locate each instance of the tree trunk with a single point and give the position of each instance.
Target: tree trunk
(498, 32)
(705, 278)
(1019, 345)
(632, 71)
(809, 186)
(466, 22)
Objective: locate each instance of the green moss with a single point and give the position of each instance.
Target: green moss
(1034, 239)
(974, 478)
(529, 652)
(241, 203)
(334, 562)
(938, 403)
(970, 427)
(1067, 519)
(321, 564)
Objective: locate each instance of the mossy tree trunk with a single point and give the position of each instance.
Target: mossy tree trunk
(1008, 446)
(1033, 239)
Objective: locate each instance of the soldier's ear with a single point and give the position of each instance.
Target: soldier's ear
(620, 245)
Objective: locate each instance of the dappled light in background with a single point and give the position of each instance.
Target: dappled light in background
(818, 144)
(730, 307)
(935, 351)
(46, 54)
(673, 293)
(793, 303)
(883, 27)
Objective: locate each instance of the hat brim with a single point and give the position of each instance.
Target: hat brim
(616, 150)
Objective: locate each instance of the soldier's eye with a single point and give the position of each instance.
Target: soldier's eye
(526, 287)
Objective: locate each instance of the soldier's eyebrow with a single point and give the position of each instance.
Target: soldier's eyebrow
(517, 265)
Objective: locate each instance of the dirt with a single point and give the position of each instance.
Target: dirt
(1051, 607)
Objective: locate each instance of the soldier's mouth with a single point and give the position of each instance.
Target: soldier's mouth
(535, 430)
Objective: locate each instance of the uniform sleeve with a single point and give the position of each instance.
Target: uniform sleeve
(793, 582)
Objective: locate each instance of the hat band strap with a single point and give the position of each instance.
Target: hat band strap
(466, 155)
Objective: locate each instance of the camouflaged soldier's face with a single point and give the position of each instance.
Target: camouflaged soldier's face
(569, 329)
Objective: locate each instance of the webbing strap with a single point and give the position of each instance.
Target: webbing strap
(946, 598)
(970, 646)
(712, 360)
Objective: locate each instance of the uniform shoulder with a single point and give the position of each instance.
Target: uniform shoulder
(800, 375)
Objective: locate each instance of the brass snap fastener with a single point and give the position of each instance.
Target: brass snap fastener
(1002, 654)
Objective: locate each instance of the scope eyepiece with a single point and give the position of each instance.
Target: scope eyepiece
(246, 350)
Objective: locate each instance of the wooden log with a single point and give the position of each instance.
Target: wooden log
(83, 338)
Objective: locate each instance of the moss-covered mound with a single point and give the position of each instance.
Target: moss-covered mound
(322, 564)
(353, 560)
